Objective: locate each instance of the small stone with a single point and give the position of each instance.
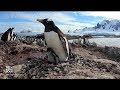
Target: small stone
(79, 61)
(2, 76)
(17, 68)
(90, 53)
(104, 70)
(1, 61)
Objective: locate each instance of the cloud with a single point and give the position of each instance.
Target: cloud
(32, 16)
(104, 14)
(19, 26)
(77, 25)
(60, 17)
(65, 20)
(37, 27)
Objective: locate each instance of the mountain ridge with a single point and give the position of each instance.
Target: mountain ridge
(105, 27)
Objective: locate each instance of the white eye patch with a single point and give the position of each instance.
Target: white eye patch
(49, 20)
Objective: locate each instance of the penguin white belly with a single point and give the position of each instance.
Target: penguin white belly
(8, 39)
(11, 36)
(53, 41)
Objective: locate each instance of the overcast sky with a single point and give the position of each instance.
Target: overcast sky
(65, 20)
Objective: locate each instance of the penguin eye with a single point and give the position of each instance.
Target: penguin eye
(47, 21)
(51, 22)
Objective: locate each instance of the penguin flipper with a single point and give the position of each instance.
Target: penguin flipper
(65, 44)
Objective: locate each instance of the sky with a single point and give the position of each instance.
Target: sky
(65, 20)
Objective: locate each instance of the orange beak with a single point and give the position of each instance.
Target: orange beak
(40, 20)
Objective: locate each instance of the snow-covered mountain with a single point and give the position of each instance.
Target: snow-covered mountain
(106, 27)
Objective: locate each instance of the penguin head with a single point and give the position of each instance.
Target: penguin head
(46, 22)
(11, 29)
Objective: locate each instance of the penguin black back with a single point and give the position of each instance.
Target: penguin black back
(5, 35)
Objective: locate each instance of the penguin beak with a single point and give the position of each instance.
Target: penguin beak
(40, 20)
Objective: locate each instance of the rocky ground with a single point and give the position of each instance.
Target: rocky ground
(19, 60)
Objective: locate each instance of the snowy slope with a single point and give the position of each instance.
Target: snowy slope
(106, 27)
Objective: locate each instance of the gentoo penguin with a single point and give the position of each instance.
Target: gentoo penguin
(56, 40)
(14, 36)
(85, 39)
(8, 35)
